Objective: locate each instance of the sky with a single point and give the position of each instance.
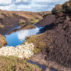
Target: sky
(29, 5)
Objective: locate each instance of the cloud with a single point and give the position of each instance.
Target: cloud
(20, 2)
(26, 33)
(5, 2)
(29, 5)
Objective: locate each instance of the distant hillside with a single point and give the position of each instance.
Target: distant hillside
(11, 19)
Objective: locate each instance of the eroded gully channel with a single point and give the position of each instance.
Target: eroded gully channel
(18, 37)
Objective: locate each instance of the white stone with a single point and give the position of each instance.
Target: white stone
(21, 51)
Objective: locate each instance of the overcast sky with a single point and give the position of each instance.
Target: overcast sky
(29, 5)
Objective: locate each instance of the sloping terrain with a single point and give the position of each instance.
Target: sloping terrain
(56, 37)
(54, 40)
(12, 19)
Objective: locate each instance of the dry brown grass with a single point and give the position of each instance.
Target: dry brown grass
(40, 41)
(2, 40)
(14, 64)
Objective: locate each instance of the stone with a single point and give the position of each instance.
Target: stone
(21, 51)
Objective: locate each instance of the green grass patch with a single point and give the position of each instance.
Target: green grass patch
(33, 21)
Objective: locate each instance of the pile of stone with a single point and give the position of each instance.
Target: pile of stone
(21, 51)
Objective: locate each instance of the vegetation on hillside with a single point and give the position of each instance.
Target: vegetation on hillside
(58, 8)
(10, 19)
(14, 64)
(55, 40)
(58, 33)
(2, 41)
(66, 7)
(40, 41)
